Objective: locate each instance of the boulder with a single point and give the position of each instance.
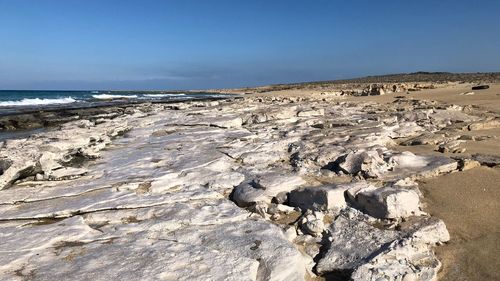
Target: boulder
(368, 163)
(386, 202)
(264, 188)
(353, 241)
(321, 198)
(312, 223)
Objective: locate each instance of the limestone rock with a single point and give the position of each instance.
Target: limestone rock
(320, 198)
(400, 261)
(387, 202)
(353, 241)
(265, 188)
(368, 163)
(66, 173)
(142, 260)
(487, 160)
(312, 223)
(491, 124)
(227, 122)
(311, 113)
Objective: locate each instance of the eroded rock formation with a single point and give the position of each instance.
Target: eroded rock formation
(254, 189)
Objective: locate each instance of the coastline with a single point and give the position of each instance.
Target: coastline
(15, 118)
(189, 156)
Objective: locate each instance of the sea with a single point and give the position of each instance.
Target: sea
(14, 101)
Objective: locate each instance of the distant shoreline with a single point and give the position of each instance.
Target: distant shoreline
(29, 118)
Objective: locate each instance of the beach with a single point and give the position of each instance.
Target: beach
(360, 181)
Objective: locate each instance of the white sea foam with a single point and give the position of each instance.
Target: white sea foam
(110, 97)
(37, 101)
(162, 95)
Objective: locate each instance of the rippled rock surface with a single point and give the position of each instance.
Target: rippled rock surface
(252, 189)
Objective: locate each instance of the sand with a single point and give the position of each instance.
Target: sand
(468, 203)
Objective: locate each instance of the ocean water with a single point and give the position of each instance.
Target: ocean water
(49, 99)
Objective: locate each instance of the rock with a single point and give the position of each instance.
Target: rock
(353, 242)
(66, 173)
(467, 164)
(265, 188)
(467, 93)
(285, 209)
(387, 202)
(167, 186)
(372, 253)
(405, 130)
(227, 122)
(484, 125)
(452, 146)
(142, 259)
(480, 87)
(487, 160)
(271, 114)
(399, 260)
(312, 223)
(27, 157)
(311, 113)
(280, 198)
(374, 90)
(291, 233)
(408, 165)
(367, 163)
(39, 177)
(321, 198)
(426, 230)
(258, 240)
(426, 138)
(408, 257)
(17, 170)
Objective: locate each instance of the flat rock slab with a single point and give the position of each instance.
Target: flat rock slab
(487, 160)
(99, 200)
(138, 260)
(157, 205)
(353, 241)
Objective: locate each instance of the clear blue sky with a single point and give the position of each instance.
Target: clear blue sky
(184, 44)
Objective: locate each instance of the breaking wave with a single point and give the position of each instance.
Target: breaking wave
(110, 97)
(37, 101)
(162, 95)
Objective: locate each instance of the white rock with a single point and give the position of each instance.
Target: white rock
(141, 259)
(329, 197)
(388, 202)
(312, 223)
(353, 241)
(265, 187)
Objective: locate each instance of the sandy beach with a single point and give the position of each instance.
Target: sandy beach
(377, 182)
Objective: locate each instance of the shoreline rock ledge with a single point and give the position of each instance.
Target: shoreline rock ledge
(250, 189)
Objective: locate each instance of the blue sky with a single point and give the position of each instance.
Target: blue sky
(185, 44)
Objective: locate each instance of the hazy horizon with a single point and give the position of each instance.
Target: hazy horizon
(166, 45)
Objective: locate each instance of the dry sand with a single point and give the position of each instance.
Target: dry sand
(468, 203)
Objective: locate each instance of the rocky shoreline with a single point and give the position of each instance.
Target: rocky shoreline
(259, 188)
